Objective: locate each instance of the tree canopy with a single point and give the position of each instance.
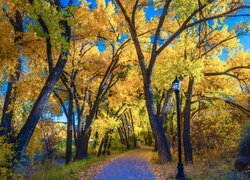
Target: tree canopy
(108, 67)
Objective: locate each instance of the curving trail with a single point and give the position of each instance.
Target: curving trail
(130, 166)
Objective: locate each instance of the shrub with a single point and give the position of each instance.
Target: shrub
(7, 153)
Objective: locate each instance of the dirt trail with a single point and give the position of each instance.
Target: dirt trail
(132, 165)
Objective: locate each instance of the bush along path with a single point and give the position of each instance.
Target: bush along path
(131, 165)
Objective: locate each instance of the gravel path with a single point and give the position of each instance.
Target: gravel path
(130, 166)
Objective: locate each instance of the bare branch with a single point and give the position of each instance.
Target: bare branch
(185, 24)
(134, 11)
(238, 106)
(156, 37)
(61, 102)
(135, 39)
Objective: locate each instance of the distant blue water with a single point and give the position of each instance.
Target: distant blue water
(26, 168)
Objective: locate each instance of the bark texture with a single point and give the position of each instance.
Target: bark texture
(27, 130)
(188, 151)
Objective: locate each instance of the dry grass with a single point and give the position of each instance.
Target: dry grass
(211, 169)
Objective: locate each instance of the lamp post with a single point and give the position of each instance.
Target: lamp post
(177, 86)
(128, 130)
(128, 136)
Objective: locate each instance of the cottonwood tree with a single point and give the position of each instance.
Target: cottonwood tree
(194, 59)
(175, 18)
(12, 16)
(57, 29)
(204, 53)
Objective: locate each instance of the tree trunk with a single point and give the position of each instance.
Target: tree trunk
(69, 130)
(34, 116)
(125, 135)
(188, 152)
(100, 148)
(121, 136)
(145, 140)
(79, 134)
(27, 130)
(10, 97)
(156, 125)
(109, 145)
(135, 145)
(74, 130)
(7, 113)
(105, 144)
(85, 142)
(163, 146)
(133, 128)
(156, 146)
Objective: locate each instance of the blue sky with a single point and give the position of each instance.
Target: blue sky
(151, 12)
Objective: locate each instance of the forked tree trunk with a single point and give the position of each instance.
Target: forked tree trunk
(157, 128)
(82, 146)
(161, 141)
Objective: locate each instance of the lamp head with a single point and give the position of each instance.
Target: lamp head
(176, 84)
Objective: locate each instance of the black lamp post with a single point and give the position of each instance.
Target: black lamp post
(177, 86)
(128, 130)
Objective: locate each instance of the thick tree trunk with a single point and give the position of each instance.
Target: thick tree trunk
(156, 147)
(27, 130)
(83, 140)
(125, 135)
(188, 152)
(85, 143)
(7, 113)
(133, 129)
(109, 145)
(82, 147)
(162, 142)
(135, 145)
(100, 148)
(121, 136)
(171, 130)
(156, 125)
(69, 130)
(10, 97)
(79, 134)
(105, 144)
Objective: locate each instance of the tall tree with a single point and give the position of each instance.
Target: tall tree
(7, 114)
(55, 72)
(184, 15)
